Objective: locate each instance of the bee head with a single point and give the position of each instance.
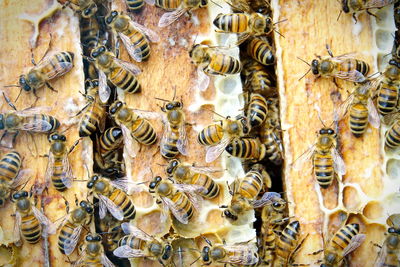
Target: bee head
(326, 131)
(171, 167)
(205, 255)
(167, 252)
(115, 107)
(98, 51)
(153, 184)
(20, 194)
(314, 66)
(24, 83)
(57, 137)
(92, 181)
(87, 206)
(21, 198)
(228, 213)
(203, 3)
(110, 18)
(90, 10)
(279, 204)
(172, 105)
(345, 8)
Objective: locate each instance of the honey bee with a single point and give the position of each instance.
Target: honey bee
(138, 244)
(270, 137)
(186, 173)
(72, 225)
(343, 67)
(28, 120)
(243, 254)
(133, 35)
(361, 109)
(261, 50)
(119, 73)
(327, 162)
(93, 253)
(134, 127)
(90, 32)
(388, 88)
(390, 250)
(257, 78)
(246, 190)
(345, 241)
(392, 139)
(30, 222)
(93, 112)
(354, 6)
(113, 197)
(174, 140)
(176, 201)
(179, 7)
(111, 231)
(87, 8)
(287, 244)
(247, 148)
(211, 60)
(219, 136)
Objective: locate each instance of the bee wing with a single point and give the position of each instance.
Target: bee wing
(205, 170)
(342, 110)
(352, 76)
(67, 175)
(17, 227)
(128, 252)
(390, 118)
(149, 115)
(104, 89)
(355, 242)
(129, 143)
(150, 34)
(192, 192)
(34, 125)
(267, 198)
(123, 184)
(7, 140)
(213, 152)
(58, 69)
(33, 110)
(299, 162)
(22, 177)
(130, 229)
(338, 163)
(179, 215)
(105, 261)
(170, 17)
(135, 70)
(150, 2)
(48, 227)
(373, 115)
(246, 254)
(49, 173)
(182, 143)
(203, 80)
(134, 52)
(79, 261)
(112, 208)
(380, 260)
(70, 244)
(377, 3)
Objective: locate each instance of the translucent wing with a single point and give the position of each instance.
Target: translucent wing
(135, 70)
(22, 177)
(344, 106)
(170, 17)
(213, 152)
(182, 143)
(129, 143)
(112, 208)
(390, 118)
(70, 243)
(245, 254)
(48, 227)
(80, 259)
(57, 70)
(134, 52)
(192, 192)
(167, 134)
(66, 176)
(203, 80)
(338, 163)
(123, 184)
(7, 139)
(105, 261)
(373, 115)
(32, 124)
(150, 2)
(352, 76)
(377, 3)
(307, 155)
(267, 198)
(33, 110)
(17, 227)
(149, 115)
(49, 171)
(104, 89)
(355, 242)
(151, 35)
(130, 229)
(205, 170)
(178, 214)
(380, 260)
(102, 209)
(128, 252)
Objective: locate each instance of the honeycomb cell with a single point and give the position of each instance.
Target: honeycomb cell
(383, 40)
(385, 17)
(142, 199)
(373, 210)
(214, 218)
(337, 218)
(227, 85)
(393, 168)
(351, 199)
(186, 251)
(150, 223)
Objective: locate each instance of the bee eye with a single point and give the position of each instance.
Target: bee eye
(82, 204)
(330, 131)
(152, 185)
(322, 131)
(158, 179)
(90, 185)
(89, 210)
(25, 194)
(169, 106)
(16, 196)
(97, 238)
(89, 238)
(63, 138)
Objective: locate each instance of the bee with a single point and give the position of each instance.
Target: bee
(134, 127)
(287, 244)
(72, 225)
(111, 231)
(219, 135)
(244, 254)
(176, 201)
(270, 137)
(179, 7)
(211, 60)
(388, 88)
(327, 162)
(113, 197)
(30, 222)
(28, 120)
(257, 79)
(93, 111)
(87, 8)
(138, 244)
(261, 50)
(174, 140)
(134, 36)
(354, 6)
(93, 253)
(247, 148)
(119, 73)
(110, 141)
(343, 67)
(246, 190)
(392, 139)
(361, 109)
(185, 173)
(257, 110)
(390, 250)
(90, 32)
(345, 240)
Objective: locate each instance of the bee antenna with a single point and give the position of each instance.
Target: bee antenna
(13, 85)
(161, 99)
(216, 4)
(174, 93)
(216, 113)
(340, 13)
(280, 21)
(304, 74)
(195, 260)
(207, 240)
(9, 101)
(162, 165)
(279, 33)
(304, 61)
(320, 119)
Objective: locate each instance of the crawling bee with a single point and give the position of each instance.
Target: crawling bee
(28, 120)
(179, 7)
(390, 250)
(87, 8)
(218, 136)
(133, 35)
(186, 173)
(392, 139)
(211, 60)
(93, 253)
(388, 88)
(138, 244)
(326, 160)
(355, 6)
(288, 244)
(72, 225)
(362, 109)
(247, 148)
(30, 222)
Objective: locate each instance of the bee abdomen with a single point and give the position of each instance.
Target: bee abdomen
(57, 173)
(251, 185)
(247, 149)
(387, 99)
(125, 203)
(134, 5)
(358, 119)
(257, 110)
(169, 149)
(212, 188)
(141, 43)
(131, 241)
(224, 64)
(392, 139)
(144, 133)
(64, 236)
(168, 4)
(235, 22)
(183, 204)
(323, 169)
(211, 135)
(343, 237)
(362, 67)
(111, 139)
(125, 80)
(287, 240)
(10, 165)
(261, 51)
(31, 229)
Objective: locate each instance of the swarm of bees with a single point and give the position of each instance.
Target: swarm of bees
(119, 131)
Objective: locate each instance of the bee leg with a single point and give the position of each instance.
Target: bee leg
(51, 87)
(316, 252)
(336, 83)
(355, 18)
(73, 146)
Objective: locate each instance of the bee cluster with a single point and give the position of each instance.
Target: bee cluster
(103, 228)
